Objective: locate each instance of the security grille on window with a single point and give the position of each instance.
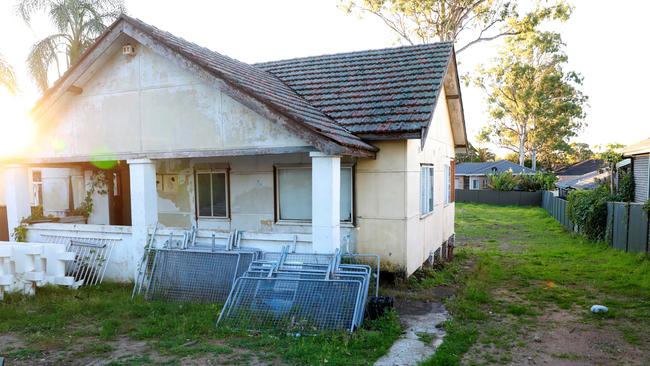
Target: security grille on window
(293, 189)
(426, 189)
(212, 194)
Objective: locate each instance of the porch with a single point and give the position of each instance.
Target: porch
(303, 199)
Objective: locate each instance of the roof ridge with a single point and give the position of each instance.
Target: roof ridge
(353, 53)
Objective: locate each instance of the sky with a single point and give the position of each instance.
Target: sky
(605, 43)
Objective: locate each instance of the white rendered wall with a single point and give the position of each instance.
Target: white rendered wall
(147, 103)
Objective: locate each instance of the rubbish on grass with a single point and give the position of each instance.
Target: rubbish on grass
(599, 309)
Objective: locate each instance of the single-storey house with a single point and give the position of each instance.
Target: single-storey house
(475, 175)
(582, 175)
(639, 158)
(352, 151)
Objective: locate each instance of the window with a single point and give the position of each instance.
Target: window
(293, 189)
(426, 189)
(475, 183)
(212, 194)
(37, 188)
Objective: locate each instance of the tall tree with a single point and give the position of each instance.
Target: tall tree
(78, 23)
(7, 76)
(534, 104)
(473, 21)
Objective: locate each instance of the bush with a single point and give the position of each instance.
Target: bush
(505, 181)
(626, 187)
(588, 211)
(538, 181)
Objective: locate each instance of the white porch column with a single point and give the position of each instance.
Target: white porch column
(17, 195)
(326, 198)
(144, 205)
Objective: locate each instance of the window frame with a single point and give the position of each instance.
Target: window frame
(276, 193)
(448, 184)
(431, 175)
(210, 172)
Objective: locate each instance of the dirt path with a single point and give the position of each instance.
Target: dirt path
(423, 333)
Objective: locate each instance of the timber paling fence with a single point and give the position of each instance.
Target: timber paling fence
(627, 223)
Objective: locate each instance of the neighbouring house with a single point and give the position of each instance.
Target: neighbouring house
(352, 151)
(639, 156)
(586, 174)
(475, 175)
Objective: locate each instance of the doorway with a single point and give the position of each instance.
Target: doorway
(119, 195)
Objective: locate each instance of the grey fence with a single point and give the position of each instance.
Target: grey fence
(627, 227)
(557, 207)
(627, 223)
(516, 198)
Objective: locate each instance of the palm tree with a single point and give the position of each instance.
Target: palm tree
(7, 76)
(78, 24)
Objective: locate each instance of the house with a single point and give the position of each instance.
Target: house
(475, 175)
(352, 151)
(582, 175)
(639, 155)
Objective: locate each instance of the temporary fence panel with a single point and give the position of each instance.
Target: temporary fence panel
(91, 257)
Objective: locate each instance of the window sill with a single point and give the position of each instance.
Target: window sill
(424, 216)
(308, 223)
(209, 218)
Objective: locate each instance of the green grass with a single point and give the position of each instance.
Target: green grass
(57, 319)
(525, 264)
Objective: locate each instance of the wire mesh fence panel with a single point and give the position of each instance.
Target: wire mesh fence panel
(294, 305)
(91, 257)
(179, 275)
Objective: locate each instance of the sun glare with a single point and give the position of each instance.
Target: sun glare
(17, 130)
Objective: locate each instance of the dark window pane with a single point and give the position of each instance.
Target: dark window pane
(219, 194)
(203, 184)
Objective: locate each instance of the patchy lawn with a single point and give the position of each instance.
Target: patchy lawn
(526, 289)
(104, 326)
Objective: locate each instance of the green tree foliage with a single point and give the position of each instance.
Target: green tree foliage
(78, 23)
(611, 156)
(625, 190)
(579, 151)
(7, 76)
(588, 211)
(534, 104)
(475, 155)
(473, 21)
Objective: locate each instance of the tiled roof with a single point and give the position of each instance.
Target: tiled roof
(390, 90)
(491, 167)
(583, 167)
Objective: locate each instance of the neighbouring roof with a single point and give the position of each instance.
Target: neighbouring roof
(589, 180)
(491, 167)
(338, 97)
(642, 147)
(580, 168)
(377, 91)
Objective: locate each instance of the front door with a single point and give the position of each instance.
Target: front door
(119, 195)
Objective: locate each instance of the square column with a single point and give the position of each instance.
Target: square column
(144, 206)
(17, 195)
(326, 198)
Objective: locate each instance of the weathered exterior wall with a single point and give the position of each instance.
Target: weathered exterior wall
(146, 104)
(388, 197)
(425, 234)
(381, 204)
(251, 186)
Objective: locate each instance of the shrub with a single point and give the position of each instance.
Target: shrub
(537, 181)
(588, 211)
(626, 187)
(505, 181)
